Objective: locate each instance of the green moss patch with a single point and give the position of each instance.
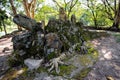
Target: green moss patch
(64, 70)
(83, 73)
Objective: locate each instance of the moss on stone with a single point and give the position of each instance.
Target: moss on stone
(51, 55)
(90, 58)
(83, 73)
(64, 70)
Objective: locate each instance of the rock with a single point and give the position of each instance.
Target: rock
(27, 23)
(5, 49)
(68, 33)
(59, 36)
(41, 76)
(53, 41)
(45, 76)
(32, 63)
(24, 21)
(22, 41)
(26, 45)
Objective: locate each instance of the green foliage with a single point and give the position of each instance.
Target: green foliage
(3, 3)
(44, 13)
(3, 16)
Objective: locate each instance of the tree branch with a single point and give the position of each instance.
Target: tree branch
(56, 3)
(109, 5)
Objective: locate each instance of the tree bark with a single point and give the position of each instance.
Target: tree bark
(29, 8)
(117, 17)
(14, 12)
(71, 7)
(33, 9)
(26, 7)
(4, 27)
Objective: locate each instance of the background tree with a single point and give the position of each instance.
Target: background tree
(112, 9)
(14, 11)
(92, 5)
(29, 7)
(3, 16)
(67, 5)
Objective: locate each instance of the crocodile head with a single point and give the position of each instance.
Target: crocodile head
(24, 21)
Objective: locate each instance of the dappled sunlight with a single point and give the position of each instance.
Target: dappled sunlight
(5, 50)
(108, 55)
(5, 46)
(108, 65)
(105, 47)
(95, 43)
(13, 74)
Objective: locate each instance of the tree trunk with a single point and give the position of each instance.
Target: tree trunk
(4, 27)
(117, 18)
(95, 23)
(29, 8)
(26, 7)
(116, 23)
(33, 9)
(14, 12)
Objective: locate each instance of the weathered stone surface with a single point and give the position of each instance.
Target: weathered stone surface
(53, 42)
(32, 63)
(45, 76)
(70, 34)
(24, 21)
(27, 23)
(22, 41)
(59, 36)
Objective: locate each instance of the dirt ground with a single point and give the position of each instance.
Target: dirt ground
(5, 51)
(108, 65)
(106, 68)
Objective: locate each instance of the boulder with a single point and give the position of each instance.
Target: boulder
(59, 36)
(70, 34)
(27, 23)
(32, 63)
